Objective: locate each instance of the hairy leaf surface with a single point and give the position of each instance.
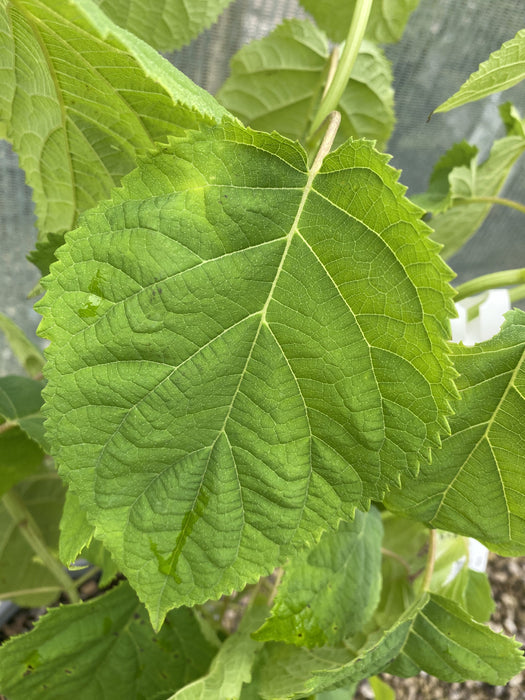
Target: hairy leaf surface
(385, 25)
(103, 649)
(165, 24)
(276, 84)
(22, 576)
(476, 484)
(330, 591)
(504, 68)
(82, 98)
(243, 351)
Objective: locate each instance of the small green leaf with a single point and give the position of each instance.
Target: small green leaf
(276, 84)
(385, 25)
(165, 24)
(453, 226)
(504, 68)
(475, 484)
(25, 352)
(330, 591)
(445, 642)
(229, 375)
(103, 649)
(382, 691)
(83, 98)
(25, 579)
(232, 667)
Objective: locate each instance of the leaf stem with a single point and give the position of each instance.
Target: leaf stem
(344, 68)
(32, 534)
(392, 555)
(491, 200)
(431, 560)
(10, 595)
(504, 278)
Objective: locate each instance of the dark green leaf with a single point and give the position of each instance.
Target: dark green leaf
(103, 649)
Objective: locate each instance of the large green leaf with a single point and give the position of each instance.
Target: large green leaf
(22, 576)
(386, 24)
(276, 83)
(103, 649)
(24, 350)
(330, 591)
(475, 485)
(229, 375)
(232, 667)
(459, 185)
(504, 68)
(445, 642)
(81, 98)
(165, 24)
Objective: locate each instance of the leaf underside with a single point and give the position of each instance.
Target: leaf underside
(242, 353)
(276, 84)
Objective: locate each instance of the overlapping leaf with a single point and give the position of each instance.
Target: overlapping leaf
(386, 24)
(103, 649)
(330, 591)
(475, 485)
(165, 24)
(81, 98)
(276, 84)
(242, 352)
(22, 576)
(231, 669)
(23, 349)
(504, 68)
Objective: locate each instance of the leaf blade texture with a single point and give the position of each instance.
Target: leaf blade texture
(276, 84)
(103, 648)
(475, 484)
(385, 25)
(247, 387)
(329, 592)
(83, 97)
(166, 25)
(503, 69)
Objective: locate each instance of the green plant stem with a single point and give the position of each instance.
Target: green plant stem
(32, 534)
(491, 200)
(392, 555)
(344, 68)
(505, 278)
(431, 560)
(10, 595)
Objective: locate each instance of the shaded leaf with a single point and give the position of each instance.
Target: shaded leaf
(276, 84)
(504, 68)
(385, 25)
(445, 642)
(23, 349)
(475, 484)
(26, 579)
(232, 667)
(106, 649)
(330, 591)
(228, 376)
(165, 24)
(82, 99)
